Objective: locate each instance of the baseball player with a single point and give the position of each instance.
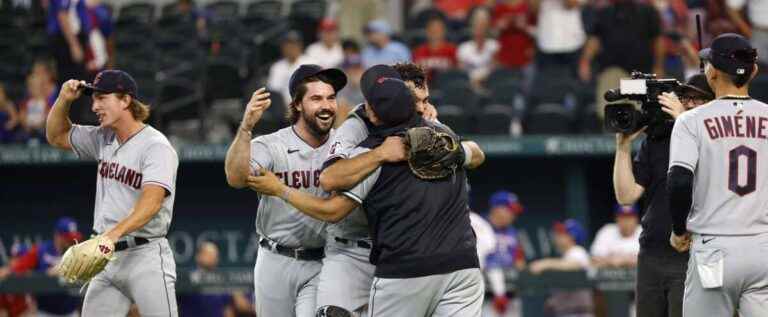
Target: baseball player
(289, 260)
(135, 190)
(349, 243)
(715, 184)
(403, 274)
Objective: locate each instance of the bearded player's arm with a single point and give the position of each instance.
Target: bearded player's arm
(241, 157)
(159, 167)
(331, 209)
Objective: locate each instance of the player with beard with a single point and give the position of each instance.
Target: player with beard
(289, 259)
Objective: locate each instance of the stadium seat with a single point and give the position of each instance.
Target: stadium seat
(460, 94)
(305, 17)
(454, 117)
(552, 87)
(265, 8)
(308, 8)
(178, 99)
(508, 93)
(224, 9)
(142, 12)
(503, 76)
(548, 118)
(222, 80)
(168, 10)
(494, 119)
(449, 77)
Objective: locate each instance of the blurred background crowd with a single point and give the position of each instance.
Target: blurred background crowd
(495, 67)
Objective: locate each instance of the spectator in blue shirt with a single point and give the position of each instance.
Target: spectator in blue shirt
(68, 26)
(206, 304)
(381, 48)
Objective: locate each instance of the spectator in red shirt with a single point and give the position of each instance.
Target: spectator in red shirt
(513, 20)
(437, 54)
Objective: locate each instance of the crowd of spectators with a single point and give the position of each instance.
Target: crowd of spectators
(615, 245)
(534, 61)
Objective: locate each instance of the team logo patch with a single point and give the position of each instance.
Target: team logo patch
(104, 249)
(334, 147)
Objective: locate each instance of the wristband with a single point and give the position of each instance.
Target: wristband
(467, 154)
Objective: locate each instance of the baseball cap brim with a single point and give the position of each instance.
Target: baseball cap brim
(89, 89)
(336, 76)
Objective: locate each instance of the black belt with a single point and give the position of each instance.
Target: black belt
(296, 253)
(360, 243)
(122, 245)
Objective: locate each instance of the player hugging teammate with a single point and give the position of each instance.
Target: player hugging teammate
(387, 227)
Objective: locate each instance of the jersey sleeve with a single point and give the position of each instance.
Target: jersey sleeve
(361, 190)
(86, 140)
(684, 145)
(345, 140)
(260, 155)
(159, 166)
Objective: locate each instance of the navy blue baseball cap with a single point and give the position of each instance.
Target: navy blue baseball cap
(392, 101)
(373, 74)
(112, 81)
(336, 77)
(731, 53)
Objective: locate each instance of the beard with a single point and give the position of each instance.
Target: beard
(315, 125)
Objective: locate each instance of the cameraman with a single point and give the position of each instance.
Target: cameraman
(660, 269)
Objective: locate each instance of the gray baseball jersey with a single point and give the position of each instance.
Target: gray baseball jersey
(351, 132)
(145, 158)
(724, 142)
(298, 165)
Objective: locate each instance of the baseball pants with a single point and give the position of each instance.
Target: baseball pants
(145, 275)
(346, 277)
(727, 274)
(285, 286)
(458, 293)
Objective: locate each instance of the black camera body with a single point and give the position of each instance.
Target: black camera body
(644, 88)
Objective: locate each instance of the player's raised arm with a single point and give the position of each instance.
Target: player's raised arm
(57, 125)
(332, 209)
(346, 173)
(237, 162)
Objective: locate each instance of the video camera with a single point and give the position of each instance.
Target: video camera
(645, 88)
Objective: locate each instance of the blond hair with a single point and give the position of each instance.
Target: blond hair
(139, 110)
